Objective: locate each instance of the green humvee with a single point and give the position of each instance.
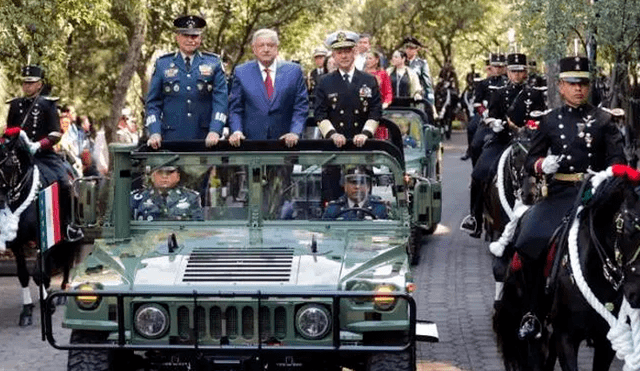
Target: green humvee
(262, 282)
(423, 154)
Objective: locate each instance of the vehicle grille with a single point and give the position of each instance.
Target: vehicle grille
(233, 322)
(239, 265)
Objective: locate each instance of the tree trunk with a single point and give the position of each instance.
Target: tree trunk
(553, 97)
(126, 74)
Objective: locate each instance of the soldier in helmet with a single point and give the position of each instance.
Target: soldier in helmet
(166, 200)
(568, 142)
(187, 97)
(357, 202)
(319, 56)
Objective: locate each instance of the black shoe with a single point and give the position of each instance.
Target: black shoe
(529, 327)
(465, 157)
(469, 224)
(74, 234)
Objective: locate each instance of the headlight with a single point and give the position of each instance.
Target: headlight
(87, 302)
(151, 321)
(382, 300)
(313, 321)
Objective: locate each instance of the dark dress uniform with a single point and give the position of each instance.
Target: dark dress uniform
(348, 108)
(481, 102)
(178, 203)
(187, 104)
(371, 203)
(314, 77)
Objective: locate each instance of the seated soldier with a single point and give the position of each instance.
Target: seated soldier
(357, 202)
(166, 200)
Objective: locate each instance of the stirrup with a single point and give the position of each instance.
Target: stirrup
(469, 224)
(530, 327)
(74, 234)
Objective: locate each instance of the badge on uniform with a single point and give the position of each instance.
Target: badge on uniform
(365, 91)
(171, 73)
(200, 86)
(205, 70)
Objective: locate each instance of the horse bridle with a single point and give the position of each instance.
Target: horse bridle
(11, 182)
(613, 272)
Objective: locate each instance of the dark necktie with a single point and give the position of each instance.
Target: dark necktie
(187, 63)
(268, 84)
(355, 206)
(346, 77)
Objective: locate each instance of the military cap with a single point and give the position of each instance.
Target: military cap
(320, 52)
(166, 168)
(358, 170)
(32, 73)
(574, 69)
(502, 59)
(411, 42)
(189, 25)
(342, 39)
(477, 77)
(517, 62)
(494, 59)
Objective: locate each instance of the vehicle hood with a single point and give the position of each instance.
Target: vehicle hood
(269, 258)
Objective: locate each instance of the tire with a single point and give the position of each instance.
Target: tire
(415, 241)
(88, 360)
(429, 232)
(391, 362)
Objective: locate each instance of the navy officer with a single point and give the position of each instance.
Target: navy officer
(567, 143)
(357, 202)
(187, 97)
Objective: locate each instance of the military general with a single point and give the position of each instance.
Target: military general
(187, 97)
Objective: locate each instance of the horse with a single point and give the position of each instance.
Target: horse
(446, 102)
(593, 260)
(20, 181)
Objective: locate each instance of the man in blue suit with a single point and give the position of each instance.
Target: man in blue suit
(268, 98)
(187, 97)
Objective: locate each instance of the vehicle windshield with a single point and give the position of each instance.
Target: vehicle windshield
(410, 125)
(276, 187)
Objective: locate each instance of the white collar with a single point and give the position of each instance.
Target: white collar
(350, 72)
(272, 67)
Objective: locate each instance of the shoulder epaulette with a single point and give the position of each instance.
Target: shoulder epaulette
(541, 88)
(167, 55)
(615, 112)
(52, 99)
(11, 100)
(536, 113)
(211, 54)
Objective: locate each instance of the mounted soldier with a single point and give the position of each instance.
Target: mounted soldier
(499, 135)
(568, 142)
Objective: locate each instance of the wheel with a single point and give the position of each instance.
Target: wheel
(415, 241)
(88, 360)
(391, 361)
(431, 229)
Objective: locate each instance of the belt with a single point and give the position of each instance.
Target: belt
(573, 177)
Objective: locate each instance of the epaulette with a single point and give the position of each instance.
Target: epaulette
(211, 54)
(537, 113)
(167, 55)
(11, 100)
(541, 88)
(52, 99)
(615, 112)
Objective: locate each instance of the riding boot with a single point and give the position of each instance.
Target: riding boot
(530, 325)
(476, 206)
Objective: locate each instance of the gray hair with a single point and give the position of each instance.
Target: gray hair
(265, 32)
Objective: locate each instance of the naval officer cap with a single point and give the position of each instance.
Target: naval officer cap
(517, 62)
(317, 52)
(189, 25)
(342, 39)
(32, 73)
(574, 69)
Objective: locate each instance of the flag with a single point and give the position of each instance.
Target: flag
(49, 207)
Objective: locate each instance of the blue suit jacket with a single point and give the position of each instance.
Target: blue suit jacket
(257, 116)
(186, 105)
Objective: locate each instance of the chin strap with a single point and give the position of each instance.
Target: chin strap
(9, 220)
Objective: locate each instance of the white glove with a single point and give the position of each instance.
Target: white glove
(550, 164)
(497, 125)
(34, 147)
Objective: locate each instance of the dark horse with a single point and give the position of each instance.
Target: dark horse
(446, 102)
(20, 181)
(598, 249)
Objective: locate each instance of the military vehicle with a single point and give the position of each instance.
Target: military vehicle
(256, 284)
(423, 151)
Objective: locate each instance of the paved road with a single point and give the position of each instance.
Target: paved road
(455, 289)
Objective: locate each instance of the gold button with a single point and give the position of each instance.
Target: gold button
(355, 124)
(342, 112)
(341, 124)
(356, 112)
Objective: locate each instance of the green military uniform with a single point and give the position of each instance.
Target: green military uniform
(178, 203)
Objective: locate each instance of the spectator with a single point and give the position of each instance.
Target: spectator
(373, 67)
(404, 81)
